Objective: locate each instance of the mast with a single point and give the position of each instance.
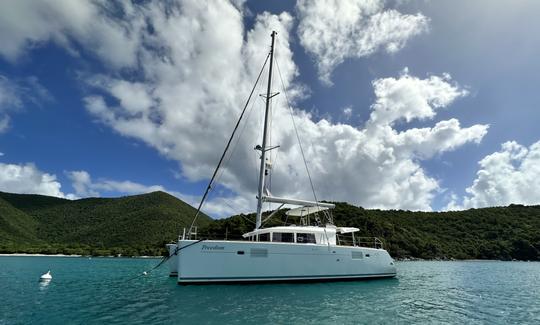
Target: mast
(262, 172)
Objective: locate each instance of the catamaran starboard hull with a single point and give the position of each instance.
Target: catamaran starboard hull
(254, 262)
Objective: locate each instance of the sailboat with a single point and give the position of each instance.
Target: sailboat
(306, 252)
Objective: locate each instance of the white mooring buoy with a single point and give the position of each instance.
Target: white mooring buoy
(46, 277)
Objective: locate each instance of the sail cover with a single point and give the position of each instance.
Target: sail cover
(346, 230)
(304, 203)
(304, 211)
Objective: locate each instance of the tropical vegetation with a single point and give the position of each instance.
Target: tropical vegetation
(142, 224)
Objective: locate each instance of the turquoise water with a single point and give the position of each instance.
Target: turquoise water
(97, 291)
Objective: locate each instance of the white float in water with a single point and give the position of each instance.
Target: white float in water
(46, 277)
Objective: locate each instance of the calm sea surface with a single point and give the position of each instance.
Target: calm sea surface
(97, 291)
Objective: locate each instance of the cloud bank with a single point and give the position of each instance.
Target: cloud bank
(511, 175)
(178, 73)
(27, 24)
(84, 185)
(182, 114)
(28, 179)
(335, 30)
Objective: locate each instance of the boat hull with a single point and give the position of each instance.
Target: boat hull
(173, 260)
(254, 262)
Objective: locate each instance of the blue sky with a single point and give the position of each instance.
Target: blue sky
(68, 127)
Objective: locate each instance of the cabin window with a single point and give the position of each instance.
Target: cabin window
(305, 238)
(264, 237)
(258, 252)
(283, 237)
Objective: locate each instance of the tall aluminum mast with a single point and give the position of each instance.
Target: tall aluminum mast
(262, 172)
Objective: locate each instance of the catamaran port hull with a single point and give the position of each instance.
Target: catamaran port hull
(173, 260)
(215, 261)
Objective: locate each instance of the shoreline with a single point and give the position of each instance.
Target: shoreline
(159, 257)
(457, 260)
(37, 255)
(64, 255)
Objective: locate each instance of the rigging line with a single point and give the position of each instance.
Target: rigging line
(246, 218)
(286, 218)
(228, 204)
(273, 154)
(250, 110)
(268, 181)
(297, 136)
(274, 166)
(218, 178)
(227, 147)
(241, 132)
(259, 119)
(254, 165)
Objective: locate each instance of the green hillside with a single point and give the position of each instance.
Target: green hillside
(132, 225)
(141, 224)
(30, 202)
(490, 233)
(16, 226)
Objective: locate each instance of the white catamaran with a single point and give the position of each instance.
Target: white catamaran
(285, 253)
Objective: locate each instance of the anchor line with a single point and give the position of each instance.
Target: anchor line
(165, 259)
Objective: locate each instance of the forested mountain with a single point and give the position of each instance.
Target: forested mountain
(141, 224)
(132, 225)
(505, 233)
(16, 226)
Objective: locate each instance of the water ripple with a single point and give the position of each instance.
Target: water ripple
(96, 292)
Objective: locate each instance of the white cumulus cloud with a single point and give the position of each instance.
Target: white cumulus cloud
(511, 175)
(347, 112)
(195, 66)
(84, 185)
(27, 24)
(28, 179)
(335, 30)
(408, 97)
(187, 115)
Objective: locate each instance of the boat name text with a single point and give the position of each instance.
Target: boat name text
(212, 248)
